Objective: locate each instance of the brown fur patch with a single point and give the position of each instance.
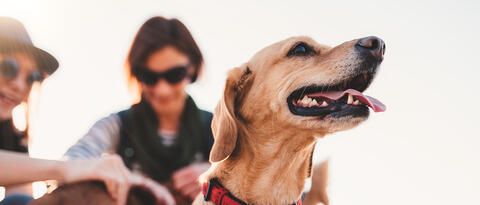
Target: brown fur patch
(91, 193)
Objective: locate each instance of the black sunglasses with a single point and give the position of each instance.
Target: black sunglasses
(9, 70)
(173, 75)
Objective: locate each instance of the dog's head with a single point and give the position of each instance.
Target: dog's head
(299, 84)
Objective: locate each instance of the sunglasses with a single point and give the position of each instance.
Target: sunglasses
(173, 75)
(9, 70)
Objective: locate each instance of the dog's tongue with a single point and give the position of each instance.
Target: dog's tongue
(373, 103)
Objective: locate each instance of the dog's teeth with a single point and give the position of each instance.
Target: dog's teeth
(350, 99)
(313, 103)
(356, 102)
(300, 102)
(324, 104)
(306, 100)
(309, 100)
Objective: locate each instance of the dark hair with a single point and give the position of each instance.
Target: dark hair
(157, 33)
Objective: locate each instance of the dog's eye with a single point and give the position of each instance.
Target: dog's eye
(301, 49)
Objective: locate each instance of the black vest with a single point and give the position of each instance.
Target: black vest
(137, 150)
(11, 138)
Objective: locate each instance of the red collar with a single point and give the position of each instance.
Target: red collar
(214, 191)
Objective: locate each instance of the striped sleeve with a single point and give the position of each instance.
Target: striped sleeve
(102, 138)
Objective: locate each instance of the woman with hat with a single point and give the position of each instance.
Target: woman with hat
(165, 136)
(22, 65)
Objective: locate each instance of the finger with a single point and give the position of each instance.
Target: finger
(182, 172)
(123, 176)
(194, 195)
(160, 192)
(193, 191)
(112, 187)
(185, 182)
(190, 188)
(97, 168)
(166, 198)
(122, 194)
(137, 180)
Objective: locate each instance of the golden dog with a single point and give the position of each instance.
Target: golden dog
(273, 109)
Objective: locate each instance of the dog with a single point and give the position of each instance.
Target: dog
(273, 109)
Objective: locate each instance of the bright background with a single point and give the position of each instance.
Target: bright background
(423, 150)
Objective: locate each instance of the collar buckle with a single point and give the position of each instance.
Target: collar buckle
(208, 191)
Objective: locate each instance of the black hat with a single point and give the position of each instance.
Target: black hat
(14, 37)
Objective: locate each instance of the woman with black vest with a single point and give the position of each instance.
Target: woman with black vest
(165, 136)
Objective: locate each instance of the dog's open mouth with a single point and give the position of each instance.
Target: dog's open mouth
(341, 99)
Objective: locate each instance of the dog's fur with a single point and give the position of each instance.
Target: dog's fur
(262, 152)
(84, 193)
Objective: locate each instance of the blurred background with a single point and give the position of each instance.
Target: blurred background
(423, 150)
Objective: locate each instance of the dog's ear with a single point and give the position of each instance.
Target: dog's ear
(225, 119)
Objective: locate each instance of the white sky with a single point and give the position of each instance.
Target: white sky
(423, 150)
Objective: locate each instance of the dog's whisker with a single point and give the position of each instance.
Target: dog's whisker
(303, 92)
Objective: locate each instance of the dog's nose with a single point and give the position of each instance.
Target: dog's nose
(372, 45)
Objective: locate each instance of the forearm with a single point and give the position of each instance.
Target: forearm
(20, 169)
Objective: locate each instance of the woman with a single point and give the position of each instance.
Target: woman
(21, 65)
(164, 136)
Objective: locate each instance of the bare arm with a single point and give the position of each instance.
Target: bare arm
(19, 168)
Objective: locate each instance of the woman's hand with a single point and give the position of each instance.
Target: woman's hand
(109, 169)
(185, 180)
(117, 178)
(161, 193)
